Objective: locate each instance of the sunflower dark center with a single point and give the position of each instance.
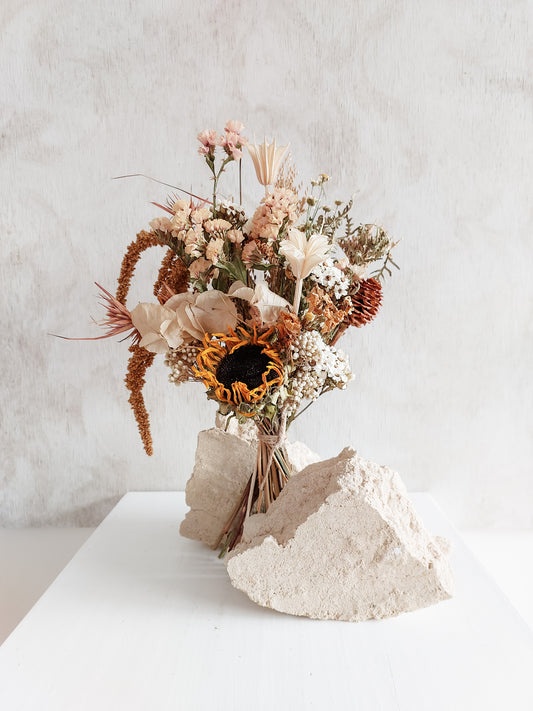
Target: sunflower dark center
(246, 365)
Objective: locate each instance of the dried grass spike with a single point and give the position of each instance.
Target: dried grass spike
(138, 364)
(173, 277)
(129, 262)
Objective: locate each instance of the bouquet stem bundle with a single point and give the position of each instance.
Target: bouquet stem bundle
(270, 475)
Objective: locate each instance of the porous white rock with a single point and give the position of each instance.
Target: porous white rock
(224, 462)
(341, 542)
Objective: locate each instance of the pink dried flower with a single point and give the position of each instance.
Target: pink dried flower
(251, 254)
(209, 140)
(200, 214)
(182, 206)
(117, 321)
(278, 206)
(232, 141)
(161, 224)
(199, 266)
(217, 226)
(234, 127)
(235, 236)
(214, 250)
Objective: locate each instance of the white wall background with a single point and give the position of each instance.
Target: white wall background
(423, 107)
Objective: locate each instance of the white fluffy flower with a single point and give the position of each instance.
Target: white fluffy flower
(331, 278)
(319, 367)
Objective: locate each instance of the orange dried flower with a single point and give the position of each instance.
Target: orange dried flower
(322, 308)
(239, 368)
(288, 328)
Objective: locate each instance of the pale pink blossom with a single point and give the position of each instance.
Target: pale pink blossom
(250, 253)
(199, 266)
(161, 224)
(234, 127)
(235, 236)
(192, 243)
(217, 226)
(193, 250)
(214, 250)
(233, 151)
(179, 221)
(183, 206)
(208, 140)
(193, 235)
(278, 207)
(232, 143)
(200, 214)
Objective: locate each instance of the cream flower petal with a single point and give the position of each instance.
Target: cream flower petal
(148, 317)
(154, 343)
(304, 254)
(267, 160)
(240, 291)
(215, 311)
(179, 299)
(157, 326)
(188, 321)
(268, 304)
(172, 333)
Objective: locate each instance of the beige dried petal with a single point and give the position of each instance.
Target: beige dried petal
(304, 254)
(148, 320)
(269, 304)
(267, 160)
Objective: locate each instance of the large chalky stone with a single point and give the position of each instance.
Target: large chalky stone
(341, 542)
(223, 465)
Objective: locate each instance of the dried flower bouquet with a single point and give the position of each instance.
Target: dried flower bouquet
(251, 307)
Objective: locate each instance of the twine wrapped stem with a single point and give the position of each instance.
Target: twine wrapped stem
(272, 470)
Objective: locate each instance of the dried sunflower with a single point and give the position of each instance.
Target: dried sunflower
(240, 368)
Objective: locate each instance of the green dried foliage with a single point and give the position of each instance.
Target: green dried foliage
(326, 221)
(366, 244)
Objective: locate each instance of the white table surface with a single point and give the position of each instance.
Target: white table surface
(144, 619)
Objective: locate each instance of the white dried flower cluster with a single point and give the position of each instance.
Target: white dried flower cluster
(331, 278)
(319, 367)
(181, 361)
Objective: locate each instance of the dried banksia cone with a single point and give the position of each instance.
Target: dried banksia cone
(366, 302)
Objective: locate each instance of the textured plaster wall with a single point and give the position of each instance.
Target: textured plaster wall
(423, 108)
